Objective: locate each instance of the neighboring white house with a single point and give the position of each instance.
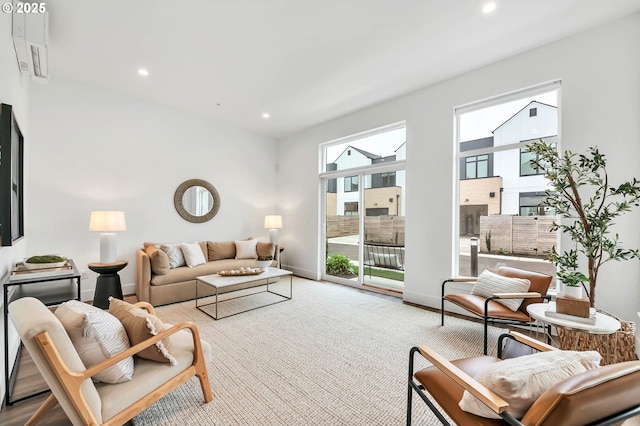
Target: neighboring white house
(503, 182)
(384, 192)
(520, 183)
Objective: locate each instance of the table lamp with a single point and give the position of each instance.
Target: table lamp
(107, 222)
(273, 223)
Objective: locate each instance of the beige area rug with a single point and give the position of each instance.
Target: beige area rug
(332, 355)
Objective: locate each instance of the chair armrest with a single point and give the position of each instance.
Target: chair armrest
(147, 306)
(92, 371)
(530, 341)
(487, 397)
(462, 279)
(529, 295)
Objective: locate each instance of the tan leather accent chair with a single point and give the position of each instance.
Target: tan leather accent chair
(86, 402)
(604, 396)
(493, 312)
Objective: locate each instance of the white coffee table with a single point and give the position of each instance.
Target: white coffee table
(604, 324)
(271, 275)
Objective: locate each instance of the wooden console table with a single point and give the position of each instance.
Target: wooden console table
(51, 287)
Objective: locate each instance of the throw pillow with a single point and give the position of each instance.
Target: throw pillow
(246, 249)
(266, 249)
(159, 260)
(140, 326)
(521, 381)
(97, 335)
(219, 251)
(489, 283)
(176, 258)
(193, 254)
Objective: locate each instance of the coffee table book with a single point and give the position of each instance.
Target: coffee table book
(552, 313)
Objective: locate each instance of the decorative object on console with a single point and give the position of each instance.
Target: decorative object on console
(273, 223)
(48, 261)
(107, 222)
(573, 306)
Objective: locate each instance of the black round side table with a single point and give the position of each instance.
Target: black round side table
(108, 282)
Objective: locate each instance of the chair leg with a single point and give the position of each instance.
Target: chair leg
(486, 332)
(44, 409)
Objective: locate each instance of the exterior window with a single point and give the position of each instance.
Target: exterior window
(532, 204)
(383, 180)
(351, 184)
(533, 112)
(477, 166)
(351, 208)
(526, 168)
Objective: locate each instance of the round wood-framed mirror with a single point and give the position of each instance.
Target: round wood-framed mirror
(196, 200)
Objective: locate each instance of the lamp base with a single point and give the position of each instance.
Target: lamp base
(273, 236)
(108, 247)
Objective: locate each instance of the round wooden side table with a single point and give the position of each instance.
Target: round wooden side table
(108, 282)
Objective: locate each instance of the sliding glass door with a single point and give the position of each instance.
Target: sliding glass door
(363, 209)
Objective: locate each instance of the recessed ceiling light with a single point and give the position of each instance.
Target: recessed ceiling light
(265, 115)
(143, 72)
(489, 7)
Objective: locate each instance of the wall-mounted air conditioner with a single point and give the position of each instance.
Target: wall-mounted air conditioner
(31, 40)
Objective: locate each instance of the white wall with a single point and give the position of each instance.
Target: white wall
(95, 150)
(14, 90)
(600, 105)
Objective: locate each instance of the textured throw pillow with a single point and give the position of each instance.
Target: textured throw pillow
(96, 335)
(521, 381)
(140, 326)
(159, 260)
(176, 258)
(219, 251)
(246, 249)
(193, 254)
(266, 249)
(489, 283)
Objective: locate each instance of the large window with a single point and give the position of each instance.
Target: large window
(500, 194)
(383, 180)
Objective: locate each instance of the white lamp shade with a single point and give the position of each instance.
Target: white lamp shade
(273, 221)
(107, 221)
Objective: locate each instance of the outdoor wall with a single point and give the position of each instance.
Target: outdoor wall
(600, 72)
(97, 150)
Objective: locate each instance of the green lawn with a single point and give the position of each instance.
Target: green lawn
(383, 273)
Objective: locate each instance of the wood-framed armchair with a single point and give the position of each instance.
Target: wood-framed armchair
(602, 396)
(92, 403)
(493, 312)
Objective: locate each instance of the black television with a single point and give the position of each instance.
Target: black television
(11, 178)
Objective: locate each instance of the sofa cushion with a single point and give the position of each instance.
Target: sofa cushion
(185, 273)
(266, 249)
(176, 258)
(246, 249)
(158, 259)
(96, 335)
(221, 250)
(140, 326)
(193, 254)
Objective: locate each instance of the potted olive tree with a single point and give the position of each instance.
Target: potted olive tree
(580, 192)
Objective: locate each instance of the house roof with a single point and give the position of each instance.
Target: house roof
(522, 109)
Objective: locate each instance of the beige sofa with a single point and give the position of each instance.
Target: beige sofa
(158, 284)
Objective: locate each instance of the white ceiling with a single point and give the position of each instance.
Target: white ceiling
(303, 61)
